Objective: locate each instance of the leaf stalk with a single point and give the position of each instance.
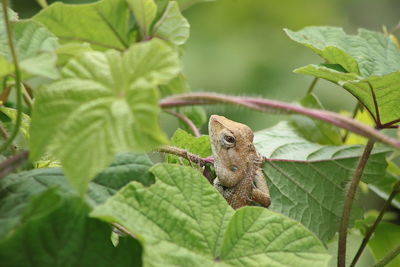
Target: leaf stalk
(10, 38)
(348, 202)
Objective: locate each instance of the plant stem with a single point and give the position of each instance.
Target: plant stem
(185, 154)
(390, 256)
(349, 202)
(186, 120)
(17, 79)
(27, 97)
(371, 230)
(5, 135)
(10, 164)
(312, 85)
(267, 105)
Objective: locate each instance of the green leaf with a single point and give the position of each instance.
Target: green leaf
(368, 53)
(17, 189)
(370, 59)
(307, 181)
(145, 12)
(104, 24)
(384, 90)
(53, 228)
(34, 46)
(172, 26)
(313, 130)
(197, 145)
(386, 237)
(106, 103)
(182, 220)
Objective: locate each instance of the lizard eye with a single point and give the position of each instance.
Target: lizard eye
(229, 140)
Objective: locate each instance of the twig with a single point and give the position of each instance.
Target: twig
(312, 85)
(10, 164)
(371, 230)
(186, 120)
(5, 135)
(267, 105)
(185, 154)
(17, 79)
(349, 202)
(27, 97)
(390, 256)
(124, 230)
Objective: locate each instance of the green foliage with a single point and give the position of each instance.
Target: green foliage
(51, 229)
(172, 25)
(370, 62)
(103, 24)
(34, 46)
(98, 72)
(308, 181)
(169, 216)
(106, 103)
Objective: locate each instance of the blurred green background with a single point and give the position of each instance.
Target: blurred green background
(238, 47)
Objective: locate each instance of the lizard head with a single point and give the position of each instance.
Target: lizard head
(229, 134)
(232, 147)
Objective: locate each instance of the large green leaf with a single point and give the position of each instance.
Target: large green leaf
(54, 227)
(307, 181)
(183, 220)
(106, 103)
(34, 46)
(104, 24)
(172, 25)
(370, 62)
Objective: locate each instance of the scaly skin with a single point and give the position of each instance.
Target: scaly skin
(237, 164)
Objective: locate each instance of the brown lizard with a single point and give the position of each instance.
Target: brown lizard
(237, 164)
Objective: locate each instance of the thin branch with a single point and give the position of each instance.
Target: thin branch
(312, 85)
(124, 230)
(349, 202)
(266, 105)
(10, 164)
(390, 256)
(371, 230)
(17, 79)
(390, 124)
(185, 154)
(5, 135)
(27, 97)
(186, 120)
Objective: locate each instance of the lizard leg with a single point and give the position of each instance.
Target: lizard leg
(260, 192)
